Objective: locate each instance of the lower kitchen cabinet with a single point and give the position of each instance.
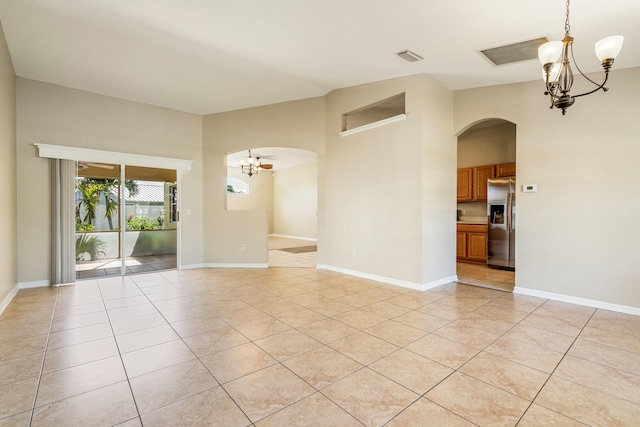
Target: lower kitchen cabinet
(471, 243)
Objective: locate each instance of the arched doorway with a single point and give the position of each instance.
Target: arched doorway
(287, 189)
(486, 151)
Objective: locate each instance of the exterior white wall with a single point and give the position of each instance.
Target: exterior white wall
(57, 115)
(295, 201)
(576, 235)
(297, 124)
(8, 187)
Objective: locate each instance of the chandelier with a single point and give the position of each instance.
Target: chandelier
(558, 76)
(251, 166)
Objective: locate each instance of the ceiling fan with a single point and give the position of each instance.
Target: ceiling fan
(85, 165)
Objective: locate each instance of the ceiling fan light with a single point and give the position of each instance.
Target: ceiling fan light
(549, 52)
(609, 47)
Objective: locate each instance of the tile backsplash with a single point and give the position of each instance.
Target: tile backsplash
(473, 211)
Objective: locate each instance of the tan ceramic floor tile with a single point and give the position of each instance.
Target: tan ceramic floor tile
(21, 368)
(541, 338)
(443, 311)
(621, 323)
(235, 362)
(562, 326)
(357, 300)
(209, 408)
(477, 401)
(138, 323)
(327, 330)
(537, 416)
(315, 410)
(442, 350)
(22, 347)
(587, 405)
(463, 334)
(384, 398)
(616, 339)
(526, 354)
(198, 325)
(605, 355)
(567, 311)
(76, 321)
(322, 366)
(603, 378)
(146, 338)
(159, 356)
(300, 317)
(216, 340)
(359, 319)
(284, 389)
(426, 413)
(330, 308)
(509, 376)
(17, 397)
(415, 372)
(287, 344)
(80, 379)
(261, 328)
(67, 357)
(419, 320)
(109, 405)
(363, 348)
(163, 387)
(487, 324)
(395, 333)
(79, 335)
(18, 420)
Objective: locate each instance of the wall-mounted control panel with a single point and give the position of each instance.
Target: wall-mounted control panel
(529, 188)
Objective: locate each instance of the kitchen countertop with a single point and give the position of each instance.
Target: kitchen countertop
(479, 220)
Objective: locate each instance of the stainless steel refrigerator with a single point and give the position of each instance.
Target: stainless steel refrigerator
(501, 212)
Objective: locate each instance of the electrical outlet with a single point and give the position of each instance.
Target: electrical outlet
(242, 247)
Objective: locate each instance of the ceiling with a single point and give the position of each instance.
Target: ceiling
(210, 56)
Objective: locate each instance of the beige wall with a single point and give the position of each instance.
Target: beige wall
(297, 124)
(295, 204)
(260, 195)
(56, 115)
(577, 236)
(8, 187)
(487, 145)
(390, 191)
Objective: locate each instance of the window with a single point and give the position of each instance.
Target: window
(379, 113)
(237, 186)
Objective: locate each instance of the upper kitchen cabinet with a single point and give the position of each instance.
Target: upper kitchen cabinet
(481, 175)
(465, 184)
(472, 183)
(505, 169)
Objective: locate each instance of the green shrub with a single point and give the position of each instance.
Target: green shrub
(90, 245)
(84, 227)
(142, 223)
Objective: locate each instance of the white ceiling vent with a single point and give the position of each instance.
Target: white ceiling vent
(407, 55)
(512, 53)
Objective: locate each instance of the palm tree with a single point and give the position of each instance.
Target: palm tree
(93, 191)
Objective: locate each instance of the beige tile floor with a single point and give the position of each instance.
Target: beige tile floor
(481, 275)
(278, 258)
(306, 347)
(133, 265)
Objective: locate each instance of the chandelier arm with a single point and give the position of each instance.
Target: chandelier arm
(606, 77)
(584, 75)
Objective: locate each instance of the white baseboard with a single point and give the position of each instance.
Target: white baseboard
(576, 300)
(224, 265)
(5, 302)
(36, 284)
(389, 280)
(311, 239)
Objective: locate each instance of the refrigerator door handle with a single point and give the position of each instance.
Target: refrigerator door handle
(508, 213)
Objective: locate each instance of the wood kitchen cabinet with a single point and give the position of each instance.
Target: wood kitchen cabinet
(481, 175)
(465, 184)
(472, 183)
(505, 169)
(471, 243)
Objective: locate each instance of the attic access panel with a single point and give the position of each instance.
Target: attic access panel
(374, 114)
(513, 53)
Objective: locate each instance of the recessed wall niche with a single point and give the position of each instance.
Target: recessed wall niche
(379, 113)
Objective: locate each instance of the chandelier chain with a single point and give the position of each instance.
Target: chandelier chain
(567, 27)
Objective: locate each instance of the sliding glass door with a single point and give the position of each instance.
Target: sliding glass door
(124, 219)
